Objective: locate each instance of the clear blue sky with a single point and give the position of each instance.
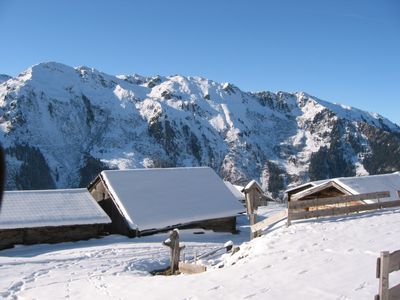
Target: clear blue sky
(339, 50)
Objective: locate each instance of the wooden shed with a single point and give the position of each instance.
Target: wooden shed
(50, 216)
(146, 201)
(255, 194)
(347, 186)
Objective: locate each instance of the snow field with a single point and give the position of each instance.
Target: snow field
(331, 258)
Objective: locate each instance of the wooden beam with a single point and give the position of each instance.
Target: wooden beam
(335, 200)
(394, 292)
(268, 221)
(384, 276)
(394, 262)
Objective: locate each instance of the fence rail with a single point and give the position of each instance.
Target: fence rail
(386, 264)
(306, 209)
(335, 200)
(268, 221)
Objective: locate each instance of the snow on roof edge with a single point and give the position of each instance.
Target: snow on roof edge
(345, 186)
(152, 169)
(78, 190)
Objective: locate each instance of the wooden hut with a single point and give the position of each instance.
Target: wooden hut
(254, 194)
(146, 201)
(347, 186)
(51, 216)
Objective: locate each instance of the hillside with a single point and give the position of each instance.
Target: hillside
(62, 125)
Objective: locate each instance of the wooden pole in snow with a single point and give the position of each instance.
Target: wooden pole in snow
(250, 209)
(173, 244)
(383, 270)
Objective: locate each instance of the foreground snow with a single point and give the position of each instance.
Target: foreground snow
(333, 258)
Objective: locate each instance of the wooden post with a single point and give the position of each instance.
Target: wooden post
(253, 220)
(173, 243)
(288, 222)
(250, 211)
(384, 276)
(249, 203)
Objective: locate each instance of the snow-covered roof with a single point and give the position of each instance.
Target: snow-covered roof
(309, 184)
(252, 183)
(236, 190)
(29, 209)
(157, 198)
(372, 183)
(361, 184)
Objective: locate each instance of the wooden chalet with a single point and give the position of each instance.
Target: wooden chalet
(51, 216)
(146, 201)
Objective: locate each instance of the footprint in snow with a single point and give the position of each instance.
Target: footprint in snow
(215, 288)
(361, 286)
(302, 272)
(267, 267)
(249, 296)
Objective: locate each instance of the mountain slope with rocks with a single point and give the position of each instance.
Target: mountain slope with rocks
(61, 125)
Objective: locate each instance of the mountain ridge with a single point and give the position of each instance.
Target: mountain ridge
(70, 123)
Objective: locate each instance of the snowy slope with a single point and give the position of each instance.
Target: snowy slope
(75, 122)
(333, 258)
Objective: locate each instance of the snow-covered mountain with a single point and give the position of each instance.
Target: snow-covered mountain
(61, 125)
(4, 77)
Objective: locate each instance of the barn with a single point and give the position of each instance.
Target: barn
(49, 216)
(146, 201)
(347, 186)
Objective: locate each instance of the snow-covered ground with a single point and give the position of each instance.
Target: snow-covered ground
(331, 258)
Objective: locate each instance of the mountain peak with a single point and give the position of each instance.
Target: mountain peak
(4, 77)
(108, 121)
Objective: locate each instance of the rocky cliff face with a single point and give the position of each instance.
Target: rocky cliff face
(61, 125)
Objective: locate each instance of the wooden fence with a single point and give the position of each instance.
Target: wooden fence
(333, 206)
(322, 207)
(386, 264)
(256, 228)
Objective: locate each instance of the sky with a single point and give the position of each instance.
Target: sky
(341, 51)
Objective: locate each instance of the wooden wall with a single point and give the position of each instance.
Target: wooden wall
(227, 224)
(118, 223)
(38, 235)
